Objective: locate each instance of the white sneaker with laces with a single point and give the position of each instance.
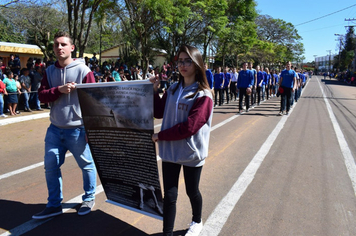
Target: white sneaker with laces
(3, 115)
(194, 229)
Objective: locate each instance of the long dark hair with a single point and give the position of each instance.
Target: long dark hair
(200, 76)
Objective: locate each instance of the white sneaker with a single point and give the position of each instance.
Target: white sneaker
(3, 115)
(194, 229)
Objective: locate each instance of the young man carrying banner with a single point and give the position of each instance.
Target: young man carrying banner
(66, 131)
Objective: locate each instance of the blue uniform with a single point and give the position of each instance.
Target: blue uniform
(218, 86)
(218, 80)
(259, 77)
(210, 78)
(246, 79)
(288, 78)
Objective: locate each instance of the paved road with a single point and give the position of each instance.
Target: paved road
(265, 175)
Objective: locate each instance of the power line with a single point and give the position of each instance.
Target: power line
(326, 15)
(332, 26)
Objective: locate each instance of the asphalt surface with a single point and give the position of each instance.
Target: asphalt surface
(265, 174)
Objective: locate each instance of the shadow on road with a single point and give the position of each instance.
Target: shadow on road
(97, 222)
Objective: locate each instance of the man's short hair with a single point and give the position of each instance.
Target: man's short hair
(63, 34)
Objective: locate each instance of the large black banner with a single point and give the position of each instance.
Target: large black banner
(118, 119)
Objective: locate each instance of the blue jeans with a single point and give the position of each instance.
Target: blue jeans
(26, 97)
(57, 142)
(263, 90)
(1, 104)
(34, 100)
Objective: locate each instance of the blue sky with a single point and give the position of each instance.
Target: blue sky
(318, 36)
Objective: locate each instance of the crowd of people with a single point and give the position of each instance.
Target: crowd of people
(253, 85)
(19, 84)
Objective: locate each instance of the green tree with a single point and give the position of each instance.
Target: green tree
(177, 28)
(282, 34)
(214, 20)
(239, 35)
(348, 52)
(80, 15)
(138, 21)
(8, 32)
(38, 23)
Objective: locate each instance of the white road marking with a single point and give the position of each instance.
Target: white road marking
(222, 211)
(345, 149)
(13, 120)
(19, 171)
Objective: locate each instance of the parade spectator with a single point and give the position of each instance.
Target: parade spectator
(287, 83)
(66, 131)
(35, 85)
(137, 74)
(14, 64)
(127, 75)
(108, 77)
(218, 86)
(115, 74)
(94, 60)
(244, 85)
(29, 63)
(38, 62)
(187, 109)
(44, 62)
(169, 75)
(98, 75)
(51, 61)
(2, 92)
(10, 92)
(25, 82)
(2, 69)
(164, 79)
(106, 67)
(122, 75)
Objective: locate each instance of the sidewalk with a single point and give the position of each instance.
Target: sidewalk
(24, 116)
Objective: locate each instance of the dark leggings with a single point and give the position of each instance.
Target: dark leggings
(170, 183)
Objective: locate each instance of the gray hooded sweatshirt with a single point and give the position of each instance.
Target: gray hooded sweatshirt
(65, 110)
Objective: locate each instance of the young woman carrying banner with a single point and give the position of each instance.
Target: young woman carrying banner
(187, 109)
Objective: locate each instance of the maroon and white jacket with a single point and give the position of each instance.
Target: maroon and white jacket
(185, 130)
